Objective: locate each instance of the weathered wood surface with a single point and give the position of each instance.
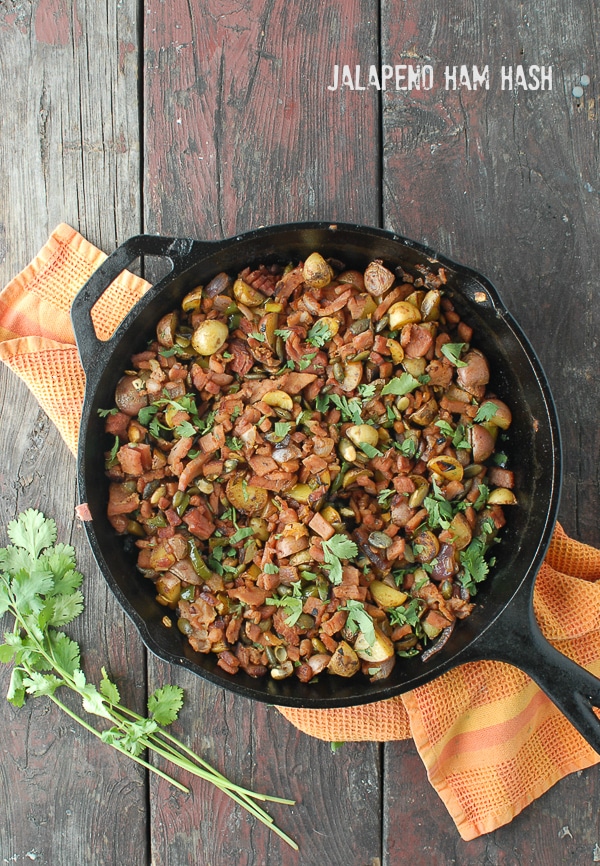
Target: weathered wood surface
(209, 119)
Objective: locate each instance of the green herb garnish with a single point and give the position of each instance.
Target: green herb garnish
(39, 586)
(452, 353)
(400, 385)
(319, 334)
(336, 548)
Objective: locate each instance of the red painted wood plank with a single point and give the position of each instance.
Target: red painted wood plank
(241, 130)
(500, 181)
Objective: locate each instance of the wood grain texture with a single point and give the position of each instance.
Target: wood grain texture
(239, 131)
(239, 134)
(69, 150)
(504, 182)
(507, 182)
(67, 798)
(563, 826)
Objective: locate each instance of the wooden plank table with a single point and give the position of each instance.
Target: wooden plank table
(208, 119)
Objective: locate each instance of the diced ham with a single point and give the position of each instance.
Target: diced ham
(252, 595)
(199, 522)
(135, 459)
(121, 500)
(321, 526)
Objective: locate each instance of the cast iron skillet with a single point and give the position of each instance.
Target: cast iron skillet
(502, 626)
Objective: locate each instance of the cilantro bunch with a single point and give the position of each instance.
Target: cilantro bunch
(39, 587)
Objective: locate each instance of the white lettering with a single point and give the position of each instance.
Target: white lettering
(400, 77)
(427, 77)
(481, 79)
(506, 77)
(374, 77)
(546, 76)
(347, 78)
(357, 83)
(450, 78)
(336, 74)
(387, 73)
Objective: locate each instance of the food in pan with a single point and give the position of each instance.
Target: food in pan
(308, 461)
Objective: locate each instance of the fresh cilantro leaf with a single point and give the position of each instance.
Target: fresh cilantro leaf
(282, 428)
(440, 512)
(322, 401)
(341, 546)
(408, 447)
(64, 608)
(270, 568)
(336, 548)
(169, 353)
(186, 428)
(400, 385)
(460, 440)
(292, 605)
(350, 409)
(91, 699)
(384, 497)
(483, 493)
(245, 532)
(147, 413)
(164, 704)
(445, 428)
(367, 391)
(16, 691)
(306, 361)
(370, 450)
(38, 684)
(154, 428)
(500, 459)
(452, 352)
(256, 335)
(335, 574)
(234, 444)
(28, 589)
(205, 424)
(15, 559)
(485, 412)
(359, 620)
(284, 333)
(319, 334)
(104, 413)
(64, 651)
(408, 614)
(32, 531)
(108, 689)
(475, 568)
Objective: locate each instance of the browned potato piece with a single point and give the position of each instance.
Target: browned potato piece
(165, 330)
(482, 443)
(245, 497)
(378, 652)
(344, 662)
(128, 395)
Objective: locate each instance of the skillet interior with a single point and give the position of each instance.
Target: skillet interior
(532, 446)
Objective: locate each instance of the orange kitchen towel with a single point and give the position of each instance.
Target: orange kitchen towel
(490, 739)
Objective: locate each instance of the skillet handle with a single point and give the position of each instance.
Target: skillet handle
(179, 251)
(570, 687)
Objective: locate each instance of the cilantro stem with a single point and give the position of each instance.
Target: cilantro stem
(38, 586)
(116, 746)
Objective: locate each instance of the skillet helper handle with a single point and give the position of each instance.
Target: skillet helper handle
(573, 689)
(178, 250)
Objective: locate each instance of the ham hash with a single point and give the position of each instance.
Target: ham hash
(308, 463)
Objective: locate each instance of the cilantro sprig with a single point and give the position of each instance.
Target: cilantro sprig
(335, 549)
(39, 587)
